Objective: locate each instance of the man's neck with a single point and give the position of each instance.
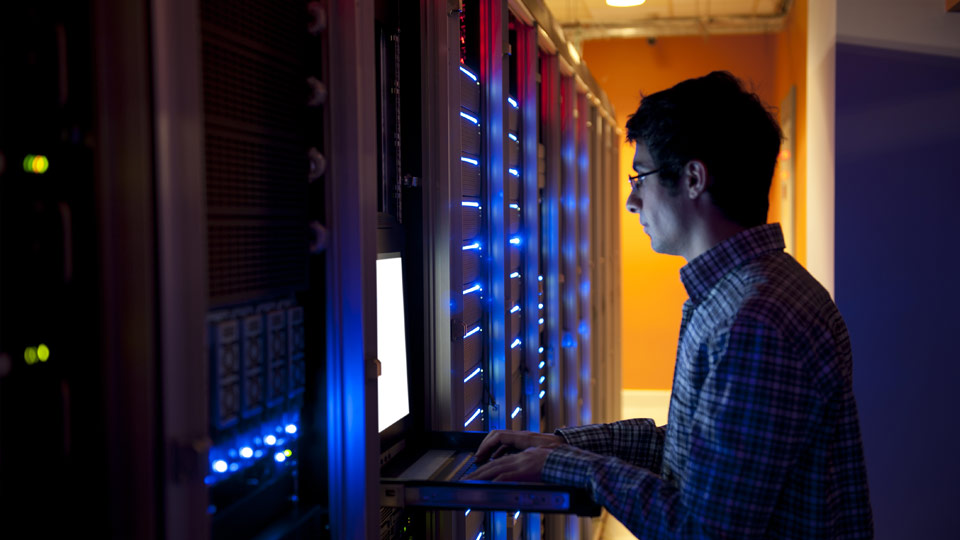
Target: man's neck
(710, 232)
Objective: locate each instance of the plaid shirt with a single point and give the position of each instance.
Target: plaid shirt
(763, 438)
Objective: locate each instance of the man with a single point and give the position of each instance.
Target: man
(763, 439)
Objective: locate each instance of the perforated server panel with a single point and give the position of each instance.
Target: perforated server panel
(474, 251)
(263, 97)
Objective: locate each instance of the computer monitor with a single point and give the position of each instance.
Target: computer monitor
(392, 386)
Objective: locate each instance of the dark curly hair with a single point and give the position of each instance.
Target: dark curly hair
(713, 119)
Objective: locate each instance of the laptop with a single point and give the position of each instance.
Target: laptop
(426, 469)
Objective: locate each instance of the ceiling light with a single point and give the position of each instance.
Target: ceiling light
(625, 3)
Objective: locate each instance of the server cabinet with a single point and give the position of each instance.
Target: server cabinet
(53, 431)
(205, 298)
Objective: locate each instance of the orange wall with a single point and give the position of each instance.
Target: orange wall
(790, 69)
(653, 295)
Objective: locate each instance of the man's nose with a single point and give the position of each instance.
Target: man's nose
(634, 203)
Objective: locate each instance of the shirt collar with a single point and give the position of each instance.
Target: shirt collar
(701, 274)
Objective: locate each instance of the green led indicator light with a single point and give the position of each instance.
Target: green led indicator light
(30, 355)
(43, 352)
(35, 164)
(288, 452)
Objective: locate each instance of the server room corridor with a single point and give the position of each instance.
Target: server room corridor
(273, 269)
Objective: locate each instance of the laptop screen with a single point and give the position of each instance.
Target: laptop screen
(392, 392)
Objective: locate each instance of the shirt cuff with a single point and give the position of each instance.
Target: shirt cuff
(569, 466)
(593, 437)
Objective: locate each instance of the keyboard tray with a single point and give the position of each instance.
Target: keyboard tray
(481, 495)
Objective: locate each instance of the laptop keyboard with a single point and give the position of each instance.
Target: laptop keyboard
(469, 468)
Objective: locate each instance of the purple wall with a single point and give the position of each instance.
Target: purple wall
(897, 282)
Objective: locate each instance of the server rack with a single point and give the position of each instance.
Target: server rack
(236, 147)
(52, 394)
(518, 221)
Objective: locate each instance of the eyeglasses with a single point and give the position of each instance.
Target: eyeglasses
(637, 181)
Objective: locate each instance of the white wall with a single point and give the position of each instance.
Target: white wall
(821, 77)
(921, 26)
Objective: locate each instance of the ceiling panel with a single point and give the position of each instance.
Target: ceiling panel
(596, 13)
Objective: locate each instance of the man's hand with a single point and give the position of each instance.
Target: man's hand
(499, 442)
(523, 467)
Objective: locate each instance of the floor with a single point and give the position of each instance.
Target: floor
(636, 404)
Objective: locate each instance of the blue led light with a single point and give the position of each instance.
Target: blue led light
(479, 536)
(470, 118)
(515, 240)
(542, 363)
(540, 351)
(220, 466)
(515, 412)
(270, 440)
(515, 344)
(513, 171)
(246, 452)
(513, 102)
(543, 378)
(539, 278)
(540, 306)
(468, 74)
(472, 418)
(541, 320)
(516, 516)
(515, 206)
(258, 453)
(471, 161)
(475, 245)
(472, 375)
(279, 457)
(472, 289)
(515, 309)
(291, 429)
(467, 513)
(513, 137)
(473, 204)
(234, 467)
(472, 332)
(515, 275)
(543, 393)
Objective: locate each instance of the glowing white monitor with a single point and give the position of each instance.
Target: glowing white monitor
(392, 393)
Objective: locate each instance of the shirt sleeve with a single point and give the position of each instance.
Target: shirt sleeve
(638, 441)
(754, 414)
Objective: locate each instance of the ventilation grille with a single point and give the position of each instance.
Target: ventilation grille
(272, 25)
(256, 153)
(255, 256)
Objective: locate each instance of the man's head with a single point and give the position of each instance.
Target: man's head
(715, 122)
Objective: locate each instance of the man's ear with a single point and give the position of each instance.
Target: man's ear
(695, 178)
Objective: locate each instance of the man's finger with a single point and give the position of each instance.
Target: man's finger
(503, 449)
(490, 470)
(490, 443)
